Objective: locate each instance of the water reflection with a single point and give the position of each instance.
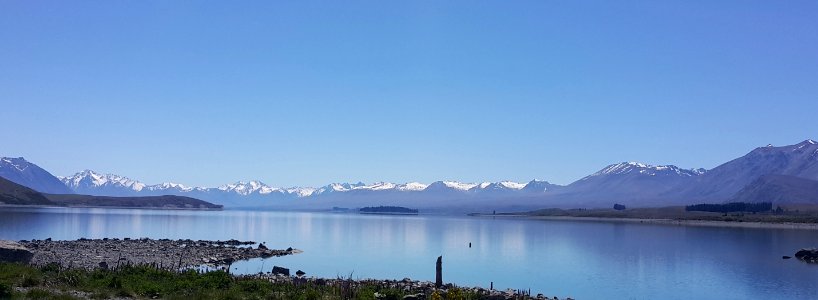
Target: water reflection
(580, 259)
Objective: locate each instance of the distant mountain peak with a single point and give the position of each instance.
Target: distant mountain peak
(25, 173)
(805, 144)
(412, 186)
(459, 185)
(19, 163)
(377, 186)
(173, 185)
(248, 187)
(88, 179)
(512, 184)
(632, 167)
(622, 168)
(498, 186)
(300, 192)
(539, 186)
(449, 185)
(699, 171)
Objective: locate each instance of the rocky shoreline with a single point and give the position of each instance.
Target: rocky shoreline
(177, 255)
(162, 253)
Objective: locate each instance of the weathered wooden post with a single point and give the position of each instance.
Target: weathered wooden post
(439, 272)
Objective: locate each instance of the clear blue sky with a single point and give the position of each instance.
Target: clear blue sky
(307, 93)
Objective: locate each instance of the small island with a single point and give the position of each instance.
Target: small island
(388, 210)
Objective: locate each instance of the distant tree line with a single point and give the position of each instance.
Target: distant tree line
(732, 207)
(389, 209)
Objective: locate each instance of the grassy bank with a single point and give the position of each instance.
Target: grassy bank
(144, 282)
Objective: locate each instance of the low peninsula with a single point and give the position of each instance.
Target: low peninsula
(715, 215)
(13, 194)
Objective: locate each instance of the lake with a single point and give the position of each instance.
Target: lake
(584, 260)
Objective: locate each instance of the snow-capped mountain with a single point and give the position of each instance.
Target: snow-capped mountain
(625, 168)
(300, 192)
(448, 186)
(631, 183)
(255, 193)
(90, 182)
(99, 184)
(799, 160)
(250, 187)
(336, 187)
(497, 187)
(411, 187)
(540, 186)
(171, 186)
(22, 172)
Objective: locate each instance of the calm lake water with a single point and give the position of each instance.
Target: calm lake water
(584, 260)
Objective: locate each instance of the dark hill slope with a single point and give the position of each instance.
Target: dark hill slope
(167, 201)
(779, 189)
(13, 193)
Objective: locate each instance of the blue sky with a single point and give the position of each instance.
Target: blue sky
(308, 93)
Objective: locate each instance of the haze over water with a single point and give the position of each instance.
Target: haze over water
(584, 260)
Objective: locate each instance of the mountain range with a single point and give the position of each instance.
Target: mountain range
(12, 193)
(787, 174)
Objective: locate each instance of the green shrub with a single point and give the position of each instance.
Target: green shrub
(51, 267)
(30, 280)
(148, 282)
(365, 294)
(5, 291)
(115, 283)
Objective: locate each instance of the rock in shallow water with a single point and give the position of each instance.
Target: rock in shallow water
(280, 270)
(807, 255)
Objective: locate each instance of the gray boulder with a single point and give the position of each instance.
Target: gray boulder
(11, 251)
(280, 270)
